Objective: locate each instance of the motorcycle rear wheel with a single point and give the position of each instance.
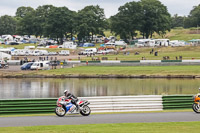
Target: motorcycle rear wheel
(85, 111)
(196, 108)
(60, 111)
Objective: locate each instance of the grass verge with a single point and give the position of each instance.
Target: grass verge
(173, 127)
(53, 114)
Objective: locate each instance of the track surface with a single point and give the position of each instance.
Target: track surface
(99, 118)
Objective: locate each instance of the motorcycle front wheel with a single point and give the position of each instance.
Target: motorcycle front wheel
(196, 108)
(85, 111)
(60, 111)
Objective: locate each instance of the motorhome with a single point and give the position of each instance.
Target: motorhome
(177, 43)
(120, 43)
(145, 43)
(162, 42)
(6, 50)
(7, 37)
(88, 51)
(69, 45)
(41, 65)
(20, 52)
(64, 52)
(39, 52)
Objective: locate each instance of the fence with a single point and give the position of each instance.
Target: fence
(126, 103)
(101, 104)
(177, 102)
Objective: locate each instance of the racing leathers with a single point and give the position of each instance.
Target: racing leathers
(73, 98)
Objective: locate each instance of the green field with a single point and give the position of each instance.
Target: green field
(180, 34)
(123, 70)
(174, 34)
(172, 127)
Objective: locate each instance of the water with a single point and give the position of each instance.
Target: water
(53, 88)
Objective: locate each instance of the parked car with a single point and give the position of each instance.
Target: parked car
(14, 43)
(27, 66)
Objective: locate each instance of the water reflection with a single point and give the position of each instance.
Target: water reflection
(53, 88)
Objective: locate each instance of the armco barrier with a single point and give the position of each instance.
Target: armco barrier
(23, 106)
(97, 104)
(171, 60)
(136, 61)
(177, 102)
(126, 103)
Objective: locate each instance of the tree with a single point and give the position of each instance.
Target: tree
(25, 25)
(156, 18)
(58, 23)
(22, 11)
(41, 16)
(128, 20)
(194, 17)
(91, 21)
(177, 21)
(7, 25)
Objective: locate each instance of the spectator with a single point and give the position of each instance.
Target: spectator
(156, 53)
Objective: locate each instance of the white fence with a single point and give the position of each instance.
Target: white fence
(125, 103)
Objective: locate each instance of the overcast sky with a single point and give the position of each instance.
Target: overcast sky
(9, 7)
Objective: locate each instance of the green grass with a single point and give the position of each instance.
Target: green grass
(174, 34)
(124, 70)
(172, 127)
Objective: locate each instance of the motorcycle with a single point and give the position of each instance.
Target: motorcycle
(196, 104)
(66, 106)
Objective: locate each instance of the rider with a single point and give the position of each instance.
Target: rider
(71, 96)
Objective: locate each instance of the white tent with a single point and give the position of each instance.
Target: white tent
(4, 55)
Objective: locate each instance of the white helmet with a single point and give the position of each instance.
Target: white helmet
(65, 91)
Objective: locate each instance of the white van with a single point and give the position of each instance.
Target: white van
(41, 65)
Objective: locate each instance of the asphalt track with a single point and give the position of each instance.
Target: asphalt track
(99, 118)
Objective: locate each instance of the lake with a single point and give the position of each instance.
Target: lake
(53, 88)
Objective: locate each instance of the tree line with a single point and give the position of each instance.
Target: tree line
(144, 17)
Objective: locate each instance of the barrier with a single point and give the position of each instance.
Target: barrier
(23, 106)
(14, 62)
(171, 60)
(125, 103)
(97, 104)
(136, 61)
(150, 61)
(177, 102)
(191, 61)
(101, 104)
(110, 61)
(73, 61)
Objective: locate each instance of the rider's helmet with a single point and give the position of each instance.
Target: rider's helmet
(65, 92)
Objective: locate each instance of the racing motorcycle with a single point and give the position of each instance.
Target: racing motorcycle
(196, 104)
(66, 106)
